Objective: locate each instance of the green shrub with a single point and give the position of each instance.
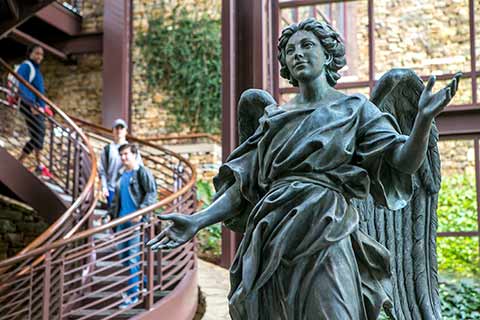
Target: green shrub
(210, 238)
(182, 52)
(460, 301)
(457, 211)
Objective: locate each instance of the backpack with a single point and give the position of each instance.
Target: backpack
(13, 84)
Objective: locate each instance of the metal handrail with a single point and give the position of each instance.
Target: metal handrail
(68, 276)
(89, 188)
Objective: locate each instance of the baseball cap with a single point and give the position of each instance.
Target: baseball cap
(119, 122)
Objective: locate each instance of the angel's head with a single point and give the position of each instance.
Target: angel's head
(308, 48)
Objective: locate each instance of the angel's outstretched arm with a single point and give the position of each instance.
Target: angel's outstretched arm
(184, 228)
(409, 156)
(225, 207)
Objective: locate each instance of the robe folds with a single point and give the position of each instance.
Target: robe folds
(302, 255)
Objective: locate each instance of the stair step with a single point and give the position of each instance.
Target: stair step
(102, 264)
(100, 212)
(126, 314)
(66, 197)
(54, 187)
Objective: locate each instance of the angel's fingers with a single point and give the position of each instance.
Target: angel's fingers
(430, 83)
(453, 86)
(448, 95)
(161, 244)
(159, 237)
(172, 245)
(458, 76)
(166, 216)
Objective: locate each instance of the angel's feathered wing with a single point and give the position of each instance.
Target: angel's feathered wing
(410, 233)
(251, 107)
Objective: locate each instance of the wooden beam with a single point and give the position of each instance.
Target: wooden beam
(84, 43)
(28, 40)
(117, 29)
(61, 18)
(23, 10)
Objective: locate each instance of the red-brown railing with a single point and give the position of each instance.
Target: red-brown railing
(83, 273)
(67, 154)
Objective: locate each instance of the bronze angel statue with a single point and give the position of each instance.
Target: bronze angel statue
(335, 195)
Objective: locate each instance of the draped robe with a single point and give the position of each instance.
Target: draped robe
(302, 255)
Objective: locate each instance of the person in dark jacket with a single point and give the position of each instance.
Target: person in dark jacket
(135, 189)
(32, 107)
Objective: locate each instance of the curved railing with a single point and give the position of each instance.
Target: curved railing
(84, 275)
(67, 154)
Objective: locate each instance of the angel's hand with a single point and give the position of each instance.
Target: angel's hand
(430, 105)
(182, 229)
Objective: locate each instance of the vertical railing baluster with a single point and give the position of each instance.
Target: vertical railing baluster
(30, 294)
(62, 281)
(75, 168)
(150, 268)
(67, 168)
(50, 161)
(46, 286)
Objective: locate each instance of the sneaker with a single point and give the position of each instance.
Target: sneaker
(128, 302)
(46, 173)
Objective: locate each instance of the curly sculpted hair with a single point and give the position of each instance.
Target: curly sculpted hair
(330, 40)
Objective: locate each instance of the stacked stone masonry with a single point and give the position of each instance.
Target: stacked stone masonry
(19, 225)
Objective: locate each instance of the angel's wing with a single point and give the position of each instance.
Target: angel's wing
(251, 107)
(409, 233)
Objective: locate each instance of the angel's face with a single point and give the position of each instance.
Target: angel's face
(304, 56)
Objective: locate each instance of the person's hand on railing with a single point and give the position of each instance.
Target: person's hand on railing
(48, 111)
(182, 230)
(37, 110)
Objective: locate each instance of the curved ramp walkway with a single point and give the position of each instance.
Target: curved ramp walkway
(215, 284)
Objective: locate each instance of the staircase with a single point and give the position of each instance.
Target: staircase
(76, 269)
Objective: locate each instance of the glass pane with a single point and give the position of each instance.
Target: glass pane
(457, 202)
(356, 42)
(477, 29)
(478, 89)
(424, 35)
(458, 257)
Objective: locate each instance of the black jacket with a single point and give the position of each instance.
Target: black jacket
(142, 189)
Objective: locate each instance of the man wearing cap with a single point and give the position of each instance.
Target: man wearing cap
(110, 162)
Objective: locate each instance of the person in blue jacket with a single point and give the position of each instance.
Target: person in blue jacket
(32, 106)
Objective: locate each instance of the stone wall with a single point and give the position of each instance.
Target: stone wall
(430, 37)
(77, 87)
(205, 156)
(148, 117)
(458, 157)
(92, 13)
(19, 225)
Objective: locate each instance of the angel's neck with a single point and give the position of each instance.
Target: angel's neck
(314, 91)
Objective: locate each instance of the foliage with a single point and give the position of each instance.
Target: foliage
(209, 238)
(457, 211)
(182, 51)
(460, 301)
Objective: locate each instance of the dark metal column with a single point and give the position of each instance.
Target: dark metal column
(117, 33)
(244, 66)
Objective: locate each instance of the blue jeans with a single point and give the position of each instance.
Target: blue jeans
(111, 194)
(133, 261)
